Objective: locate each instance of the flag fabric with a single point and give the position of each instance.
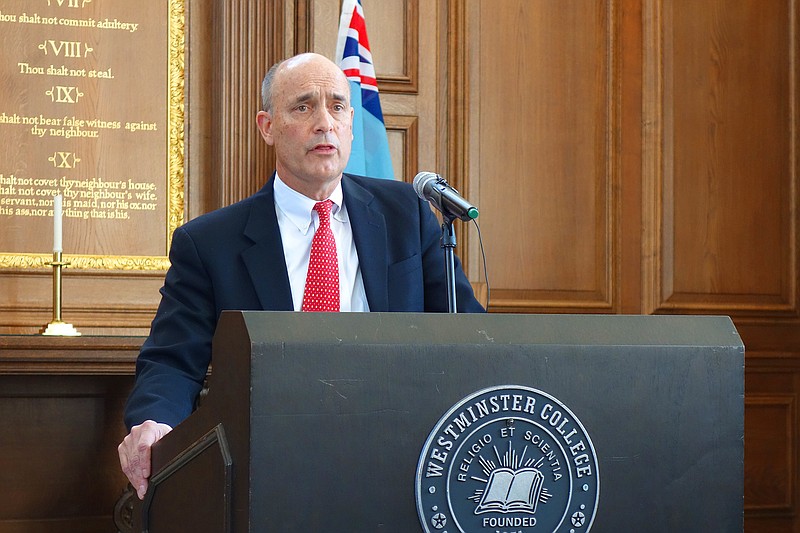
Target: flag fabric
(369, 155)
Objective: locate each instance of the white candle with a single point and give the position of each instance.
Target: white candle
(57, 247)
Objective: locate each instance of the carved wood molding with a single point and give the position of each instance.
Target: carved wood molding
(125, 509)
(247, 46)
(36, 354)
(455, 61)
(303, 26)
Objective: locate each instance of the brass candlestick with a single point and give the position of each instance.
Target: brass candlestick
(57, 326)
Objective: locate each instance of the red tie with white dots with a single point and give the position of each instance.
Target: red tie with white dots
(322, 282)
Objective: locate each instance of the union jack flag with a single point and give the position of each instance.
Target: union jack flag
(369, 155)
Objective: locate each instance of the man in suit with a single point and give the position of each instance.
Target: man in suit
(255, 254)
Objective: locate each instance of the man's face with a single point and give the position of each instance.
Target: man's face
(310, 124)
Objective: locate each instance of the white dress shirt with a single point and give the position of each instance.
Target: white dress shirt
(298, 221)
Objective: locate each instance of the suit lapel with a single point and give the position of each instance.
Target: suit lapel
(264, 260)
(369, 235)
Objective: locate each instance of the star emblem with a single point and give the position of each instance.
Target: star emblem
(439, 520)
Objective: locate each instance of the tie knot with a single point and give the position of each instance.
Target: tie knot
(324, 211)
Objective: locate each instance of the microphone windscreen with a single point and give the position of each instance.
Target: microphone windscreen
(422, 179)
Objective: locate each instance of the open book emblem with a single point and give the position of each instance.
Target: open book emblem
(516, 486)
(511, 491)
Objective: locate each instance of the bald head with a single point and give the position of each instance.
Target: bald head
(309, 59)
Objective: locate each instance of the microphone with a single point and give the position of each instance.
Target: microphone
(433, 188)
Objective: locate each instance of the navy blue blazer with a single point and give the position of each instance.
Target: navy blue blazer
(232, 259)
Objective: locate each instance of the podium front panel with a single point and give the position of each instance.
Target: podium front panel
(342, 407)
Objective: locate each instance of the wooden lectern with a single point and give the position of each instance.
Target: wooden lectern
(403, 422)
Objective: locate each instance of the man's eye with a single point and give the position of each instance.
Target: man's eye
(338, 107)
(302, 107)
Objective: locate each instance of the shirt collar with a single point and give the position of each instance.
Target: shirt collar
(297, 207)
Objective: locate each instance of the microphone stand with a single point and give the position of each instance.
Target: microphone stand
(449, 245)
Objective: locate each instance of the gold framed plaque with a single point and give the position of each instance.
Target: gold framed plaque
(91, 109)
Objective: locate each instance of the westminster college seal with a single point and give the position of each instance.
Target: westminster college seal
(508, 459)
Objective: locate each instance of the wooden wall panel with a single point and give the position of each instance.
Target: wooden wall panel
(770, 420)
(97, 303)
(59, 465)
(541, 112)
(403, 134)
(58, 448)
(772, 430)
(61, 403)
(726, 171)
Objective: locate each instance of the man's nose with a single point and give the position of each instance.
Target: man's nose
(323, 121)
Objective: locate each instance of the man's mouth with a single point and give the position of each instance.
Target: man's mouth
(324, 148)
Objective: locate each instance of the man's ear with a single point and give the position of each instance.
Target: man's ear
(264, 123)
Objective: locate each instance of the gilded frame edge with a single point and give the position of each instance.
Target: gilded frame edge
(175, 168)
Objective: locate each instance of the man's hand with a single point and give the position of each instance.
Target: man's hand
(134, 453)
